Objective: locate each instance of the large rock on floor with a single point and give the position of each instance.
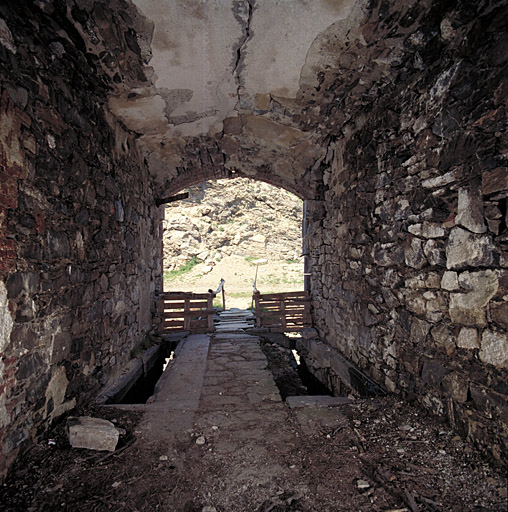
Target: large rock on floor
(92, 433)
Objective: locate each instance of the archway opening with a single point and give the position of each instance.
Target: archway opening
(241, 230)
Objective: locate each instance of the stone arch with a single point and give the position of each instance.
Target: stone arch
(187, 178)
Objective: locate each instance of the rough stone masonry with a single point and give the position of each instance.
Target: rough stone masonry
(388, 118)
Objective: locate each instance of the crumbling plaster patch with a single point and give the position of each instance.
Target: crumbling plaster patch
(6, 324)
(6, 321)
(217, 60)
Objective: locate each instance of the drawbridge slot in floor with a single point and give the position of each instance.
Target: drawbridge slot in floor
(289, 370)
(144, 387)
(137, 385)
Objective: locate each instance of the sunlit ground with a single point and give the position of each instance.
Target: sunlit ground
(239, 274)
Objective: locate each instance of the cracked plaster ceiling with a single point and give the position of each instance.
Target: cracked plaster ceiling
(232, 72)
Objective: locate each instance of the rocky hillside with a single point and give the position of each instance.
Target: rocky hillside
(239, 217)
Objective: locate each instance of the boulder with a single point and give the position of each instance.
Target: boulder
(92, 433)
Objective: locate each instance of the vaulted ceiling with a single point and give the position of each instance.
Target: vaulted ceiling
(217, 87)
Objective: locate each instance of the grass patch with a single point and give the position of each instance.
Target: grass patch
(289, 260)
(171, 275)
(239, 295)
(296, 280)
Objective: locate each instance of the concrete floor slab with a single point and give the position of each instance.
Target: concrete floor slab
(171, 409)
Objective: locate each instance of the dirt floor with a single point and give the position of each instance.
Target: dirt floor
(382, 455)
(272, 277)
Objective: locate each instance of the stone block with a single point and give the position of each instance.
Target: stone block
(60, 346)
(21, 281)
(456, 386)
(266, 129)
(229, 145)
(443, 338)
(424, 280)
(469, 308)
(468, 249)
(263, 101)
(440, 181)
(470, 209)
(313, 420)
(433, 373)
(494, 348)
(499, 313)
(416, 303)
(432, 230)
(495, 181)
(434, 252)
(435, 307)
(29, 366)
(484, 282)
(502, 290)
(465, 311)
(92, 433)
(414, 255)
(233, 125)
(468, 338)
(419, 330)
(450, 281)
(488, 402)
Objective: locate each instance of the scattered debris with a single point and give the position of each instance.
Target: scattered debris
(362, 484)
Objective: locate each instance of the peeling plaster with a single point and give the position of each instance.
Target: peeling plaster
(56, 390)
(6, 324)
(6, 321)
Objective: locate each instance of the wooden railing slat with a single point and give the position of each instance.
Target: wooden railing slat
(186, 311)
(283, 312)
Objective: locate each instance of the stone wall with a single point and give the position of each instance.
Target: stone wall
(410, 246)
(79, 230)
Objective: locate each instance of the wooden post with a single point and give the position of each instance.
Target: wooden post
(172, 199)
(160, 312)
(258, 311)
(209, 313)
(223, 299)
(186, 314)
(283, 314)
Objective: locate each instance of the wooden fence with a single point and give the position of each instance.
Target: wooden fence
(283, 312)
(186, 311)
